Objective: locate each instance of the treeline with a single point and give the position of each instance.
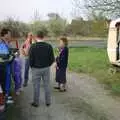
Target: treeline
(56, 26)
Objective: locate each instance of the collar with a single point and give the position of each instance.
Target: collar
(40, 40)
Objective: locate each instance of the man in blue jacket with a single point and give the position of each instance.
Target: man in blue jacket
(5, 62)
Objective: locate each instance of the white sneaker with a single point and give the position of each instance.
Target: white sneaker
(21, 89)
(9, 102)
(17, 93)
(9, 97)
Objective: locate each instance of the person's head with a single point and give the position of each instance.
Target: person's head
(40, 35)
(17, 54)
(30, 36)
(63, 42)
(6, 34)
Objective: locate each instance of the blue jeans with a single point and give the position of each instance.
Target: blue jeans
(8, 79)
(26, 72)
(5, 78)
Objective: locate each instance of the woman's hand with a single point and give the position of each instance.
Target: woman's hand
(23, 52)
(55, 65)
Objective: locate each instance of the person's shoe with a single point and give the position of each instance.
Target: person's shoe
(9, 98)
(17, 93)
(48, 105)
(57, 88)
(10, 102)
(34, 105)
(21, 89)
(62, 90)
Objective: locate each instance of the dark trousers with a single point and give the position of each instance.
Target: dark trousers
(3, 77)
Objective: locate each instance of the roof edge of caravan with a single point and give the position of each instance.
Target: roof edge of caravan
(114, 22)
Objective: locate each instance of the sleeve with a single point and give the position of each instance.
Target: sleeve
(51, 54)
(31, 56)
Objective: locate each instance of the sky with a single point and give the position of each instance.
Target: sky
(24, 9)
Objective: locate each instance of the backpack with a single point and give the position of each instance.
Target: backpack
(4, 50)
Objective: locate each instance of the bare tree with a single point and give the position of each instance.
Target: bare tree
(36, 16)
(79, 9)
(110, 8)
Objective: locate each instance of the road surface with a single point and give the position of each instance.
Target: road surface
(84, 100)
(80, 43)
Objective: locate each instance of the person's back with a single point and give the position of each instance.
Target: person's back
(42, 55)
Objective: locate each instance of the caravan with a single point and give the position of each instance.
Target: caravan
(113, 46)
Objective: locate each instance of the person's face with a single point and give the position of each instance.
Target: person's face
(8, 36)
(61, 43)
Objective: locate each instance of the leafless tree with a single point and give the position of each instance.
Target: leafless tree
(110, 8)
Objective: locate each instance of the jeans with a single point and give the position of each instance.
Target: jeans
(37, 76)
(26, 72)
(8, 79)
(5, 78)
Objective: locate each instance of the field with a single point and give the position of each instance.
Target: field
(94, 61)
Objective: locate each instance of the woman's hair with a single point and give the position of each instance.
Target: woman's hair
(65, 40)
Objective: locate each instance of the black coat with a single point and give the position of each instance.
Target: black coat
(62, 59)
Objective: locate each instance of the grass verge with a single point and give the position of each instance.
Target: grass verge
(94, 61)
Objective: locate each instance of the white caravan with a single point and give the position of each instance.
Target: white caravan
(113, 46)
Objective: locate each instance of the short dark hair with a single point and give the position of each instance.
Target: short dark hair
(4, 31)
(65, 40)
(40, 34)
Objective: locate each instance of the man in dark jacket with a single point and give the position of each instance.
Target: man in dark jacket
(41, 57)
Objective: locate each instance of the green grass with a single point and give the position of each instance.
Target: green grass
(94, 61)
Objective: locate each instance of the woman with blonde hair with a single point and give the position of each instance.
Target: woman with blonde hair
(24, 51)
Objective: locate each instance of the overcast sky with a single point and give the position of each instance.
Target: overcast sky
(24, 9)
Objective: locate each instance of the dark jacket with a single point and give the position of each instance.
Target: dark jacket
(62, 59)
(41, 55)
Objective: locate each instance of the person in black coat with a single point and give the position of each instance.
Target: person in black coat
(61, 64)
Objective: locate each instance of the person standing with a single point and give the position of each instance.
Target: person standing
(17, 70)
(5, 63)
(41, 57)
(25, 50)
(61, 64)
